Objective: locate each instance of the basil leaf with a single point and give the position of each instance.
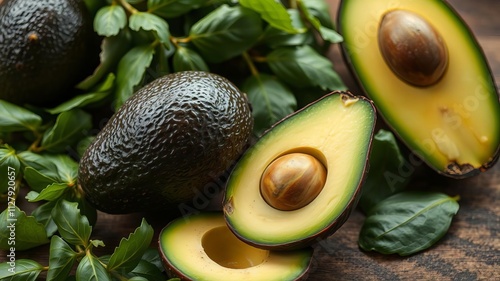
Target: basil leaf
(148, 271)
(14, 118)
(150, 22)
(112, 50)
(43, 215)
(25, 270)
(270, 99)
(320, 10)
(129, 252)
(407, 222)
(67, 168)
(109, 20)
(90, 269)
(72, 226)
(326, 33)
(61, 259)
(36, 180)
(130, 71)
(226, 32)
(50, 193)
(70, 127)
(152, 256)
(39, 162)
(172, 8)
(303, 66)
(274, 37)
(28, 232)
(80, 101)
(274, 13)
(384, 177)
(10, 169)
(187, 59)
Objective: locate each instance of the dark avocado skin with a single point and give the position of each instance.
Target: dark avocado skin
(46, 48)
(168, 142)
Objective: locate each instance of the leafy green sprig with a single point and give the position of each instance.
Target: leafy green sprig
(273, 50)
(132, 259)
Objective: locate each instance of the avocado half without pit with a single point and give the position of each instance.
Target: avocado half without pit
(301, 180)
(428, 76)
(201, 247)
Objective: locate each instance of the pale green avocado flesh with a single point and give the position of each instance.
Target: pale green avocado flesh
(201, 247)
(337, 130)
(454, 124)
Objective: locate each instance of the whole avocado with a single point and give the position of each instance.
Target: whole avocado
(170, 141)
(46, 48)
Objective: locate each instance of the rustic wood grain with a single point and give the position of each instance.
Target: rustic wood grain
(469, 251)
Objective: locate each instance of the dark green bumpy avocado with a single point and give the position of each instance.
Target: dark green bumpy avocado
(169, 141)
(46, 48)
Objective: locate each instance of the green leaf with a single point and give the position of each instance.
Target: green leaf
(70, 127)
(23, 270)
(90, 269)
(303, 66)
(43, 215)
(153, 256)
(112, 50)
(10, 170)
(274, 13)
(101, 93)
(50, 193)
(148, 271)
(150, 22)
(128, 254)
(37, 180)
(109, 20)
(14, 118)
(72, 226)
(407, 222)
(39, 162)
(226, 32)
(320, 10)
(385, 176)
(326, 33)
(187, 59)
(270, 99)
(83, 144)
(173, 8)
(28, 232)
(275, 37)
(130, 71)
(67, 168)
(61, 259)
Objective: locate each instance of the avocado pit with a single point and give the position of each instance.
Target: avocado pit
(412, 48)
(292, 181)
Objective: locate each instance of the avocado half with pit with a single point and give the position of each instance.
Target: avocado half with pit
(428, 76)
(201, 247)
(300, 181)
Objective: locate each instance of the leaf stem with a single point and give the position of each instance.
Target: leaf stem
(250, 64)
(127, 6)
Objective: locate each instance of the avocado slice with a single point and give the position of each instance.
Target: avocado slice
(337, 131)
(172, 140)
(201, 247)
(437, 93)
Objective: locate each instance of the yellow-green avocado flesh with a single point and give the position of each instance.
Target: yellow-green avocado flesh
(201, 247)
(453, 125)
(337, 130)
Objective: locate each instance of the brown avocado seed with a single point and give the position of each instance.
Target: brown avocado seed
(412, 48)
(292, 181)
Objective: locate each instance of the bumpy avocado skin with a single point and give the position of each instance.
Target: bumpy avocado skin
(46, 47)
(168, 142)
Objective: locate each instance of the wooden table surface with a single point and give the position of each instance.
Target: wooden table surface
(469, 251)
